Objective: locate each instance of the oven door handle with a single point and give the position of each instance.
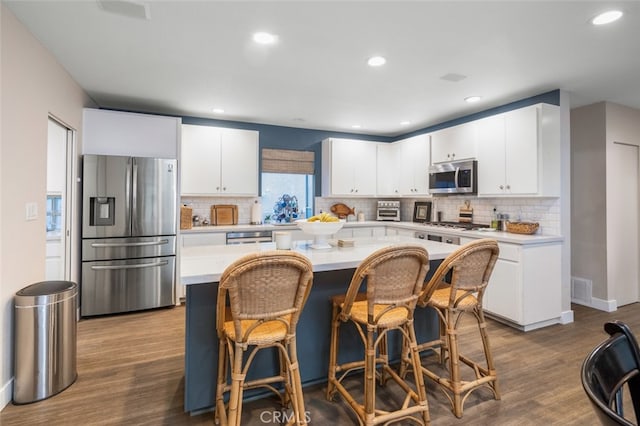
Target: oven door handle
(455, 178)
(136, 266)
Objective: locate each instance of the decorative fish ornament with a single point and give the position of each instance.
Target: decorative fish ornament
(342, 210)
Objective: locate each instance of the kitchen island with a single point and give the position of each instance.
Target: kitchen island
(200, 270)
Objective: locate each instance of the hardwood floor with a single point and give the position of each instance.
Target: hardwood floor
(130, 372)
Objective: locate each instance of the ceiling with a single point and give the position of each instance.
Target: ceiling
(193, 56)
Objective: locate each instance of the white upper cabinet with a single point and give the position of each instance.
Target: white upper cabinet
(454, 143)
(519, 151)
(387, 169)
(125, 133)
(219, 162)
(413, 165)
(349, 167)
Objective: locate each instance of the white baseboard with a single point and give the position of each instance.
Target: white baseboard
(599, 304)
(566, 317)
(6, 393)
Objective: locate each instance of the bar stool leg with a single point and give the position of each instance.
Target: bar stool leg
(417, 372)
(333, 352)
(370, 377)
(482, 325)
(454, 365)
(220, 416)
(237, 381)
(296, 384)
(384, 359)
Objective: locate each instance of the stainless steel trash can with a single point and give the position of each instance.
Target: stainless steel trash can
(44, 340)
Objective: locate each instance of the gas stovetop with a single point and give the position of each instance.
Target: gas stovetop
(457, 225)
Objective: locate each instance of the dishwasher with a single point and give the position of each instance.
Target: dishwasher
(249, 237)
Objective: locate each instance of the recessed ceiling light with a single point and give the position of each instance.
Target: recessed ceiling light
(376, 61)
(356, 126)
(218, 111)
(472, 99)
(265, 38)
(405, 123)
(607, 17)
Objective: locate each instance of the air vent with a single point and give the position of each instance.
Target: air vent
(581, 290)
(453, 77)
(129, 8)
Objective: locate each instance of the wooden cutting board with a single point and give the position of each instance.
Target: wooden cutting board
(224, 214)
(466, 213)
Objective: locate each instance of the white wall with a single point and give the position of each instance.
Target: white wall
(594, 130)
(33, 86)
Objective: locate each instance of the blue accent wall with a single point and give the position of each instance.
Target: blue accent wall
(281, 137)
(552, 97)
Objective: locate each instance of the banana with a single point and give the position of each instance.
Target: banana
(323, 217)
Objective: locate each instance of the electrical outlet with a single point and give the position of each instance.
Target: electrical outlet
(31, 211)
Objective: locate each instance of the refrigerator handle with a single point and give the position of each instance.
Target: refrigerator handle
(127, 198)
(134, 197)
(142, 244)
(136, 266)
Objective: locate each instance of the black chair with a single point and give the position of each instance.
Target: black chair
(610, 368)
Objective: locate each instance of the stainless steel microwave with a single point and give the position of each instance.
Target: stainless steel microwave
(456, 177)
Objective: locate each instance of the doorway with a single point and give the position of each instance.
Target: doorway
(623, 249)
(60, 151)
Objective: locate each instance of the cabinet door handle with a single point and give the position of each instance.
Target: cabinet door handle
(501, 187)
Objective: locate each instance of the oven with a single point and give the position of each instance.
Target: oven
(441, 238)
(388, 210)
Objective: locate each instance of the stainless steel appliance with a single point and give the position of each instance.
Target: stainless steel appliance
(457, 177)
(440, 233)
(129, 225)
(442, 238)
(249, 237)
(388, 210)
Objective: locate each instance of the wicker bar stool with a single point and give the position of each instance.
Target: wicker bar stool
(469, 267)
(394, 277)
(266, 292)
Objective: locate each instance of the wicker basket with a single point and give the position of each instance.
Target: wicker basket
(186, 214)
(522, 227)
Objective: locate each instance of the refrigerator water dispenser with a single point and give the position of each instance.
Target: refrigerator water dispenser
(102, 211)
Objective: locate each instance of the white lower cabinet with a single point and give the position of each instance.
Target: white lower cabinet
(400, 231)
(204, 239)
(525, 288)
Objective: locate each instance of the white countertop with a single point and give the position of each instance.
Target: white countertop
(205, 264)
(506, 237)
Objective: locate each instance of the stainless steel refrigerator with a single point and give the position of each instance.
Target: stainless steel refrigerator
(129, 225)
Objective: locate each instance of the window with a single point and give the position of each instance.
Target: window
(287, 196)
(54, 213)
(287, 184)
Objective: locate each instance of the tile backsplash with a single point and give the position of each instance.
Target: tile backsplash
(545, 211)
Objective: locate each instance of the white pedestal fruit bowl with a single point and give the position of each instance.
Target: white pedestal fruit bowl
(320, 231)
